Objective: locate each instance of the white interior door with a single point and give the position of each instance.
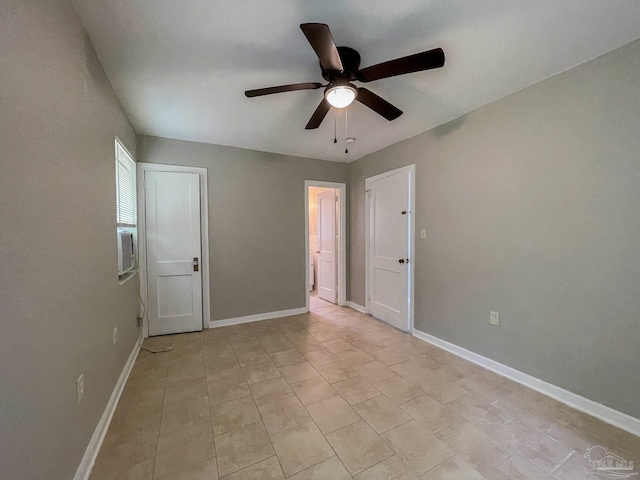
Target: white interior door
(327, 265)
(172, 210)
(389, 227)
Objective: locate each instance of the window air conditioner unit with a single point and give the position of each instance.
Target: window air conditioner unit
(126, 253)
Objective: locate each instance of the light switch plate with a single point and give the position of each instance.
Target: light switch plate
(423, 233)
(494, 318)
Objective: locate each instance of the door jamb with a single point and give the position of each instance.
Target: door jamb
(141, 168)
(411, 169)
(342, 254)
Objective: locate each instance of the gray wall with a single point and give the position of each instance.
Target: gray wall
(59, 292)
(531, 206)
(256, 221)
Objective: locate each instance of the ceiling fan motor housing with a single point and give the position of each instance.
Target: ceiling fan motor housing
(350, 61)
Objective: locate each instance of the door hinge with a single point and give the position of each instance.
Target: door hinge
(369, 297)
(368, 193)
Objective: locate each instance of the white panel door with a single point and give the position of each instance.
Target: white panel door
(327, 265)
(389, 249)
(172, 210)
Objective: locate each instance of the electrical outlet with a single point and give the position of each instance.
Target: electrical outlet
(423, 233)
(80, 387)
(494, 318)
(115, 336)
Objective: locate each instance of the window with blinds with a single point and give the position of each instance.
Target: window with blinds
(125, 188)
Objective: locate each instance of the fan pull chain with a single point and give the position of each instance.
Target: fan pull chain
(335, 127)
(346, 130)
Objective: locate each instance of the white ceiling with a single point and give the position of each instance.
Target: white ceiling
(180, 67)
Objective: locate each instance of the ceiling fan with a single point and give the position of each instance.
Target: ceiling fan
(341, 65)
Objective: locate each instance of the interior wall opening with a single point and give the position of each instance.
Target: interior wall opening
(325, 268)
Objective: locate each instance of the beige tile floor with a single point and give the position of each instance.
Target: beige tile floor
(337, 395)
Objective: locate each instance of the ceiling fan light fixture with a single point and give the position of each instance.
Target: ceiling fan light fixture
(341, 96)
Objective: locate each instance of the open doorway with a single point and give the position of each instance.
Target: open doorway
(325, 211)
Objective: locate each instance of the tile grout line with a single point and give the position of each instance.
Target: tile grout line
(273, 447)
(310, 421)
(206, 387)
(363, 420)
(313, 421)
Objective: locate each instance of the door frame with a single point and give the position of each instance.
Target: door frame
(411, 169)
(141, 168)
(342, 229)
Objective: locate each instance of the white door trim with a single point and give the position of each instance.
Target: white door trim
(204, 236)
(342, 253)
(411, 169)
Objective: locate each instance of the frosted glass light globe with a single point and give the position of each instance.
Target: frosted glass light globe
(341, 96)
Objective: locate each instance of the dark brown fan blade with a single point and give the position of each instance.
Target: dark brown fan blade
(378, 104)
(318, 115)
(320, 38)
(413, 63)
(282, 88)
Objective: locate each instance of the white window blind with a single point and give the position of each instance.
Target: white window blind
(125, 187)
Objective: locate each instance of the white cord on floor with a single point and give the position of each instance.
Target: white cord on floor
(165, 349)
(168, 349)
(144, 307)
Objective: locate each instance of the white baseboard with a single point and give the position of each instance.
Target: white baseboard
(256, 318)
(597, 410)
(90, 454)
(357, 307)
